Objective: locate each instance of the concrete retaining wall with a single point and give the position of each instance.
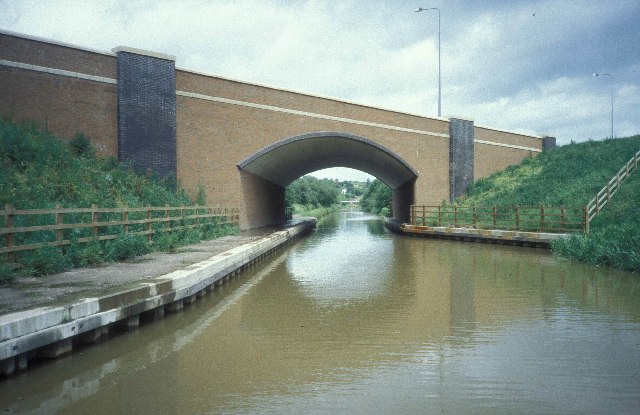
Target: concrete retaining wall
(49, 332)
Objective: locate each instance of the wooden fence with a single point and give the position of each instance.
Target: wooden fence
(27, 230)
(519, 218)
(596, 204)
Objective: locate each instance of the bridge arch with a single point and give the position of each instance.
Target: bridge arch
(268, 171)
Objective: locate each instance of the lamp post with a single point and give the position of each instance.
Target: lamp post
(418, 10)
(611, 83)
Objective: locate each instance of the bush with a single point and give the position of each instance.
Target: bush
(81, 146)
(93, 253)
(45, 261)
(377, 197)
(7, 274)
(125, 247)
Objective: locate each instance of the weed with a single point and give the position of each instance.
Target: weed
(45, 261)
(126, 246)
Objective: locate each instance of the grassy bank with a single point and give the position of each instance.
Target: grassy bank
(40, 171)
(571, 175)
(314, 211)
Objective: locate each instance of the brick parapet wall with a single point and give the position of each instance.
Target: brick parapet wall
(251, 93)
(64, 105)
(507, 137)
(19, 48)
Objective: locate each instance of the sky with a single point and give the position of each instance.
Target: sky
(513, 64)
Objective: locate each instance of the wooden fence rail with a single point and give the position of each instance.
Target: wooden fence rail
(596, 204)
(27, 230)
(520, 218)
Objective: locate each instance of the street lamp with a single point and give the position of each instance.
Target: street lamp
(611, 82)
(418, 10)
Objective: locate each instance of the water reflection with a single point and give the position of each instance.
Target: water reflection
(354, 319)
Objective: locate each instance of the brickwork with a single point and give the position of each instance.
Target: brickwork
(147, 113)
(62, 105)
(164, 126)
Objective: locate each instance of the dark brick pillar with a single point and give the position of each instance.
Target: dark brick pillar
(460, 156)
(548, 142)
(147, 110)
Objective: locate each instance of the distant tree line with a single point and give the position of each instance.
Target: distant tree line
(377, 198)
(309, 192)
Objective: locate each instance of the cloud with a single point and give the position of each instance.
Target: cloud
(522, 65)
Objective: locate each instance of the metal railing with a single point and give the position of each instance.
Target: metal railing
(288, 213)
(27, 230)
(515, 218)
(596, 204)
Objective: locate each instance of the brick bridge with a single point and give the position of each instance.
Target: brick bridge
(243, 143)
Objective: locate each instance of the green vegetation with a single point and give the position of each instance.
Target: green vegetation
(309, 193)
(40, 171)
(571, 175)
(377, 198)
(315, 197)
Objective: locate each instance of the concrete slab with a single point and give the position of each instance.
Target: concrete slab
(54, 327)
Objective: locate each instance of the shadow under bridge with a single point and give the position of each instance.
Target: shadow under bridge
(266, 173)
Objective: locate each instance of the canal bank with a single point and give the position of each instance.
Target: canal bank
(85, 305)
(492, 236)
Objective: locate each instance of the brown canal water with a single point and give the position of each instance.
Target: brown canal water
(353, 319)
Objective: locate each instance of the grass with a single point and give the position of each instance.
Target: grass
(39, 171)
(314, 211)
(571, 175)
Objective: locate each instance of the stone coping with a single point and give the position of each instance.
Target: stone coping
(538, 239)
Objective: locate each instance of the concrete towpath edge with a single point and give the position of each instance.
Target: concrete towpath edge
(24, 331)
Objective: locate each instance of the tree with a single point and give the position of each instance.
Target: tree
(377, 196)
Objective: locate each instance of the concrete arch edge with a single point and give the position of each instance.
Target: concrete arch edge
(284, 161)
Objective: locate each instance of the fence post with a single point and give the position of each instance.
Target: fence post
(9, 237)
(541, 218)
(148, 224)
(125, 219)
(597, 204)
(167, 220)
(94, 221)
(562, 219)
(475, 224)
(423, 215)
(455, 216)
(196, 214)
(585, 219)
(439, 215)
(413, 214)
(517, 217)
(59, 221)
(495, 216)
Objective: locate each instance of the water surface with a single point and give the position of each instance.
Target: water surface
(353, 319)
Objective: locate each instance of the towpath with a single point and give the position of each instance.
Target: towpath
(66, 287)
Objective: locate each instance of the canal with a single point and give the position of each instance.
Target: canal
(354, 319)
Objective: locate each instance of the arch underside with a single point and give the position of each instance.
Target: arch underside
(287, 160)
